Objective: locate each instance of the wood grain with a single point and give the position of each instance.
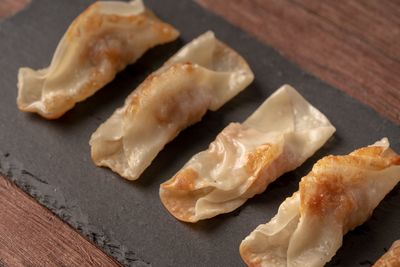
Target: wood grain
(30, 235)
(352, 45)
(11, 7)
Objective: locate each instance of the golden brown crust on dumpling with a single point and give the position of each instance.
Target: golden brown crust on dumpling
(183, 185)
(339, 194)
(183, 180)
(99, 43)
(173, 109)
(87, 22)
(134, 101)
(248, 257)
(323, 190)
(92, 19)
(259, 158)
(245, 158)
(262, 164)
(172, 98)
(390, 258)
(327, 194)
(180, 194)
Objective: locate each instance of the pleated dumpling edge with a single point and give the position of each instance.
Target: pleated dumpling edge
(100, 42)
(339, 194)
(201, 76)
(246, 157)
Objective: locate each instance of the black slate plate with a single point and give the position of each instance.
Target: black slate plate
(50, 159)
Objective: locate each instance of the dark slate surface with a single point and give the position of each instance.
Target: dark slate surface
(50, 159)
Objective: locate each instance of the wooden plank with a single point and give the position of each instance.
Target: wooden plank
(352, 45)
(30, 235)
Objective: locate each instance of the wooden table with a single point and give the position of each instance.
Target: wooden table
(352, 45)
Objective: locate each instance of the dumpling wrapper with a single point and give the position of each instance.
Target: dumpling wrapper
(100, 42)
(202, 76)
(245, 158)
(391, 258)
(339, 194)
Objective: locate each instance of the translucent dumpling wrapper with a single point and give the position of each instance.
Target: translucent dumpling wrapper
(202, 76)
(391, 258)
(100, 42)
(245, 158)
(338, 194)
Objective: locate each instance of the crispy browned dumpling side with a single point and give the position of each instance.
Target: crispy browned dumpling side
(201, 76)
(100, 42)
(339, 194)
(245, 158)
(390, 258)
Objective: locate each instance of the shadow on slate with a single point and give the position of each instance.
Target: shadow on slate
(51, 159)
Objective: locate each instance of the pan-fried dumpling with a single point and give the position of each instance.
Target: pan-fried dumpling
(339, 194)
(99, 43)
(390, 258)
(202, 76)
(245, 158)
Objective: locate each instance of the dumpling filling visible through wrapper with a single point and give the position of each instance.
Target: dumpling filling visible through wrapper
(339, 194)
(100, 42)
(202, 76)
(245, 158)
